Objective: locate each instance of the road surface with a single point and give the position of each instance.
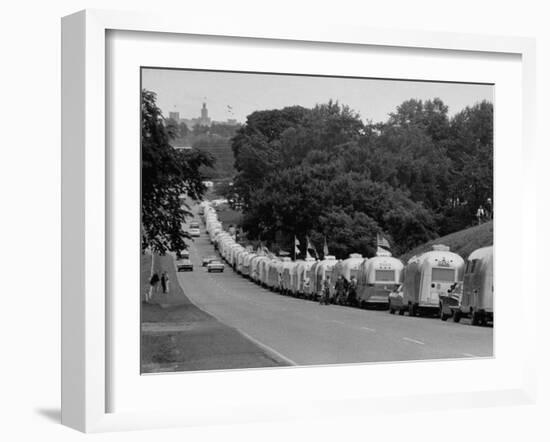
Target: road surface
(304, 333)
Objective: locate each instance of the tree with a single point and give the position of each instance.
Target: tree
(167, 176)
(321, 172)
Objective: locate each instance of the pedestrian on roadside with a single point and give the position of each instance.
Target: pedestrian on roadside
(325, 293)
(168, 283)
(153, 282)
(164, 282)
(339, 288)
(352, 292)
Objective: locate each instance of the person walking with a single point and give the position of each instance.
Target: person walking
(325, 293)
(352, 292)
(339, 288)
(153, 282)
(164, 281)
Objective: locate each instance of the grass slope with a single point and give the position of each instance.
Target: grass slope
(463, 242)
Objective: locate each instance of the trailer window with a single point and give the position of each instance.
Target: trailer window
(443, 275)
(385, 275)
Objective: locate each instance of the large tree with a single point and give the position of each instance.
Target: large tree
(168, 176)
(324, 173)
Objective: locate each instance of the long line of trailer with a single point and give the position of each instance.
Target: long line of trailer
(436, 282)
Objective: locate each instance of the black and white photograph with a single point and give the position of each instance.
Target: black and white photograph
(302, 220)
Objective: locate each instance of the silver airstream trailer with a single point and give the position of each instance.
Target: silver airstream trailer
(246, 269)
(347, 268)
(377, 277)
(324, 271)
(239, 259)
(255, 268)
(234, 254)
(263, 269)
(428, 277)
(310, 280)
(275, 268)
(289, 267)
(477, 289)
(293, 285)
(302, 275)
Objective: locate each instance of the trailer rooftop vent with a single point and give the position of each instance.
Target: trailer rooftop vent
(355, 255)
(441, 248)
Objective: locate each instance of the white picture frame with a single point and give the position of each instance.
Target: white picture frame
(85, 308)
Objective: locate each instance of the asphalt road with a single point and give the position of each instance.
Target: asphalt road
(304, 333)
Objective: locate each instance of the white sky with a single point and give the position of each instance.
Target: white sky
(184, 91)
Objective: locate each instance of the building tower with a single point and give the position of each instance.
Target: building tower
(204, 120)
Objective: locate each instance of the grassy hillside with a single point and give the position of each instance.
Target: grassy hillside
(463, 242)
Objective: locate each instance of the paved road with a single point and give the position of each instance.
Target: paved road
(305, 333)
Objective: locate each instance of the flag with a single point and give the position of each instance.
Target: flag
(381, 241)
(311, 247)
(325, 248)
(296, 249)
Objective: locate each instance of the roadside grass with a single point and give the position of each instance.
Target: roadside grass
(462, 242)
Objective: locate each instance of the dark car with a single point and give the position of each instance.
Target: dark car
(184, 265)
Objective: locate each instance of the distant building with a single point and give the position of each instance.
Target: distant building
(203, 120)
(174, 116)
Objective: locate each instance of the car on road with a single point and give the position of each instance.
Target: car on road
(208, 259)
(215, 266)
(184, 254)
(184, 265)
(195, 232)
(194, 225)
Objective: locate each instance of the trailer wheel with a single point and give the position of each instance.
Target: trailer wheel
(457, 315)
(392, 310)
(401, 312)
(412, 309)
(475, 318)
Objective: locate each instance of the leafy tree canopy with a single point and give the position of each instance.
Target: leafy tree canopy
(324, 173)
(168, 176)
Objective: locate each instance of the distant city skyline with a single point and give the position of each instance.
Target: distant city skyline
(231, 95)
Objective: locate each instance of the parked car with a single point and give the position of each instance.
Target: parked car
(395, 300)
(195, 232)
(215, 266)
(183, 254)
(184, 265)
(449, 302)
(208, 259)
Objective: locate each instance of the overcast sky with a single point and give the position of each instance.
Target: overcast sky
(184, 92)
